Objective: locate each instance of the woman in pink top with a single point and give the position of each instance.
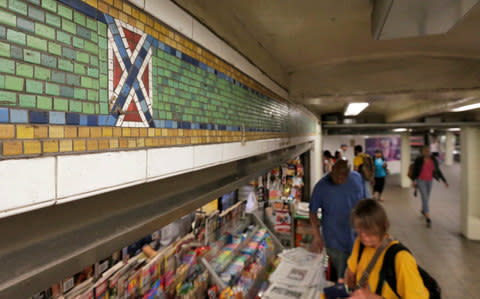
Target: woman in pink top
(425, 169)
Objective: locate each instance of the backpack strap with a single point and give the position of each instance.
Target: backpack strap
(360, 251)
(387, 272)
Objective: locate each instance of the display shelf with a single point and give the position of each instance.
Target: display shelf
(42, 247)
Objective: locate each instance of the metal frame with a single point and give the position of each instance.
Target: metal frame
(42, 247)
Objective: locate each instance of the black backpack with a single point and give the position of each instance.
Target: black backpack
(387, 273)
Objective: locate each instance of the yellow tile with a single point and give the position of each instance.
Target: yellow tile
(126, 132)
(107, 132)
(151, 132)
(140, 142)
(70, 132)
(103, 144)
(66, 145)
(123, 142)
(25, 132)
(134, 13)
(50, 146)
(134, 132)
(109, 2)
(148, 142)
(132, 142)
(114, 143)
(143, 132)
(95, 132)
(172, 132)
(92, 3)
(32, 147)
(117, 4)
(79, 145)
(117, 132)
(113, 12)
(11, 148)
(127, 8)
(83, 132)
(41, 132)
(122, 16)
(7, 131)
(92, 145)
(56, 131)
(102, 6)
(140, 25)
(143, 17)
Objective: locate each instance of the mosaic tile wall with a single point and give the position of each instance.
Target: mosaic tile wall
(73, 72)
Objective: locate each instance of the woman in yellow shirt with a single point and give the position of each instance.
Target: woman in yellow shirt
(371, 223)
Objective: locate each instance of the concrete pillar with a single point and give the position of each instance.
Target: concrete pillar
(405, 160)
(316, 162)
(470, 182)
(449, 147)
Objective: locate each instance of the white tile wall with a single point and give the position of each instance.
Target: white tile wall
(83, 174)
(26, 182)
(170, 14)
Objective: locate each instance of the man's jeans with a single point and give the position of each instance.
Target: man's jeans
(338, 260)
(425, 187)
(368, 193)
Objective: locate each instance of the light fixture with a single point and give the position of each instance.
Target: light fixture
(400, 130)
(467, 107)
(354, 109)
(454, 129)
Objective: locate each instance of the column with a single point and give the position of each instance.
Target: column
(316, 162)
(405, 160)
(470, 182)
(449, 147)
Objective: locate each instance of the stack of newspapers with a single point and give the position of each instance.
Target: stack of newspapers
(299, 275)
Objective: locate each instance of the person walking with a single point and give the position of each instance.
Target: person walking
(327, 161)
(336, 194)
(364, 165)
(425, 169)
(380, 174)
(371, 223)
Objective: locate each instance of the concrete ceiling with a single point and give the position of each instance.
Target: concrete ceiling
(323, 53)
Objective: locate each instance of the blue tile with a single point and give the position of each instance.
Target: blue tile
(168, 124)
(203, 126)
(111, 120)
(92, 120)
(83, 120)
(3, 115)
(81, 6)
(102, 120)
(101, 17)
(39, 117)
(73, 119)
(144, 106)
(18, 116)
(174, 125)
(157, 123)
(222, 127)
(57, 118)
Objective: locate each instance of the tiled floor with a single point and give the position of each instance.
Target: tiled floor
(441, 250)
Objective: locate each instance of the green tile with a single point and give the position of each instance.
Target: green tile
(36, 14)
(84, 32)
(58, 77)
(103, 55)
(92, 24)
(24, 70)
(93, 95)
(65, 65)
(80, 69)
(34, 86)
(102, 43)
(75, 106)
(103, 67)
(82, 57)
(45, 31)
(16, 37)
(80, 93)
(44, 103)
(79, 18)
(53, 20)
(69, 26)
(102, 29)
(36, 43)
(17, 6)
(103, 80)
(54, 48)
(14, 83)
(65, 12)
(78, 43)
(88, 108)
(73, 79)
(60, 104)
(25, 25)
(42, 73)
(4, 49)
(50, 5)
(104, 108)
(91, 47)
(8, 98)
(87, 82)
(93, 60)
(66, 91)
(92, 72)
(64, 37)
(27, 101)
(52, 89)
(3, 3)
(94, 37)
(31, 56)
(49, 61)
(2, 81)
(3, 32)
(103, 94)
(69, 53)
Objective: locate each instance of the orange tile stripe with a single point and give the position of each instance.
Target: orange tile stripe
(130, 14)
(40, 140)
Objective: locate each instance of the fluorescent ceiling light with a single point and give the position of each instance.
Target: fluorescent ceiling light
(467, 107)
(454, 129)
(400, 130)
(355, 108)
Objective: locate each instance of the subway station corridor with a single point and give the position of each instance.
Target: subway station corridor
(449, 257)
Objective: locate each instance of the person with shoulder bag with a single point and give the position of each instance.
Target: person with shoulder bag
(381, 172)
(424, 170)
(375, 256)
